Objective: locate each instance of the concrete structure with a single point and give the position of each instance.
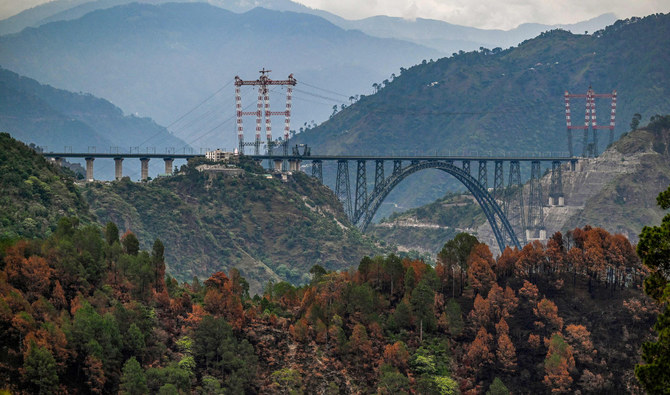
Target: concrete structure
(218, 155)
(228, 171)
(278, 163)
(145, 169)
(118, 168)
(294, 165)
(89, 169)
(168, 165)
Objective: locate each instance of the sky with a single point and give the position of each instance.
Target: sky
(486, 14)
(492, 14)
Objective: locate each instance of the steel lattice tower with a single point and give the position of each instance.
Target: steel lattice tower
(263, 110)
(590, 122)
(535, 222)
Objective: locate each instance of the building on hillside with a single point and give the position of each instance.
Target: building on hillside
(220, 156)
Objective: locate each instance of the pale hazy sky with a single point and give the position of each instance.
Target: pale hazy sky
(492, 14)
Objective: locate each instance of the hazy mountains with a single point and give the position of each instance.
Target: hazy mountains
(439, 35)
(162, 60)
(58, 120)
(507, 102)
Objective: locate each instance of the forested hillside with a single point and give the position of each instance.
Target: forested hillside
(35, 194)
(497, 101)
(268, 229)
(88, 311)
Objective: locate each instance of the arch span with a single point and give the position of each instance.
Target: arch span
(502, 229)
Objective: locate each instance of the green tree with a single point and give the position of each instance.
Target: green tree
(455, 253)
(287, 381)
(392, 382)
(40, 371)
(635, 122)
(133, 380)
(111, 233)
(131, 245)
(497, 387)
(423, 298)
(654, 250)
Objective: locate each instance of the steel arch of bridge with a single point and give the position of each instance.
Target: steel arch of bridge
(502, 229)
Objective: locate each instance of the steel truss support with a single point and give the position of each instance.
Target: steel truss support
(498, 181)
(514, 202)
(466, 166)
(361, 187)
(397, 166)
(483, 177)
(379, 174)
(535, 220)
(342, 189)
(317, 170)
(556, 191)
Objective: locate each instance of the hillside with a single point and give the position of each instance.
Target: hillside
(504, 101)
(35, 194)
(162, 60)
(267, 229)
(101, 318)
(616, 191)
(425, 229)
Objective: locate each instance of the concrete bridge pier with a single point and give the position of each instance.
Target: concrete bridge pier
(144, 174)
(168, 165)
(89, 169)
(277, 164)
(294, 165)
(118, 169)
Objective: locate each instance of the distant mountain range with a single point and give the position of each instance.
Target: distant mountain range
(507, 101)
(161, 60)
(439, 35)
(58, 120)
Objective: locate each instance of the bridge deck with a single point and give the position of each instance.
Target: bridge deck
(318, 157)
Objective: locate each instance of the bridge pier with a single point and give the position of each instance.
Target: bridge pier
(58, 161)
(342, 189)
(535, 223)
(118, 169)
(379, 174)
(294, 165)
(168, 165)
(278, 164)
(556, 197)
(482, 176)
(317, 170)
(498, 180)
(466, 166)
(89, 169)
(361, 187)
(144, 169)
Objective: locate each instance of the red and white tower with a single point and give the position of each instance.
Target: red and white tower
(263, 110)
(590, 121)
